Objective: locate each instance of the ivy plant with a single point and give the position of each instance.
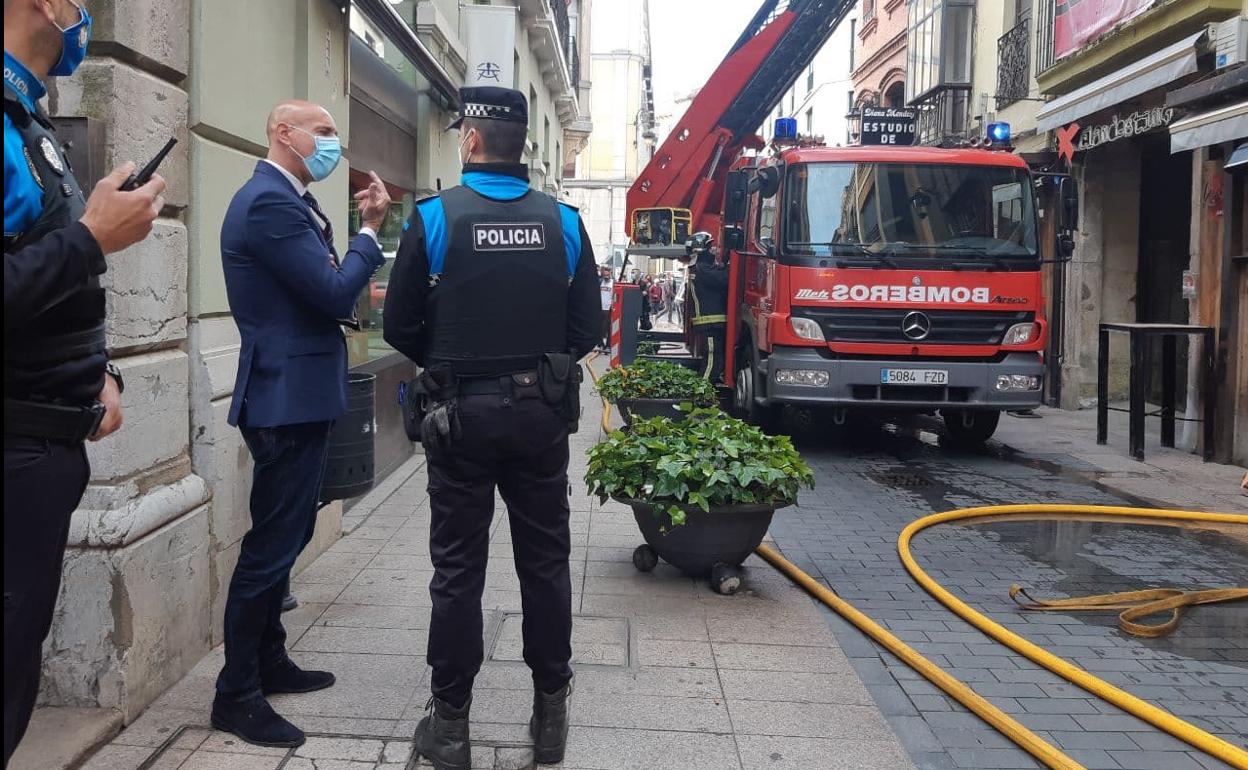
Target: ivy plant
(708, 460)
(656, 379)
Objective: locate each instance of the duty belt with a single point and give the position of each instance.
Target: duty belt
(53, 422)
(484, 386)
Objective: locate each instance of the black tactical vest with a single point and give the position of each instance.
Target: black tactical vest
(59, 354)
(502, 297)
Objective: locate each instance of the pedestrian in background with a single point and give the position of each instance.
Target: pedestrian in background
(287, 290)
(606, 292)
(59, 388)
(492, 292)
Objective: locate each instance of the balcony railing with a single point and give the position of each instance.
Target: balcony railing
(574, 63)
(1013, 60)
(571, 51)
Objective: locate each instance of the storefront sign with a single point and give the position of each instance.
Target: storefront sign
(1079, 22)
(1124, 127)
(889, 125)
(491, 37)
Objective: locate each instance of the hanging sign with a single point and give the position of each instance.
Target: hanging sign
(889, 125)
(490, 33)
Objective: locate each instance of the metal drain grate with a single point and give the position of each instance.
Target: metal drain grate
(901, 478)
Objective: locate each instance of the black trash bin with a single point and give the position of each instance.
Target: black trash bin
(349, 469)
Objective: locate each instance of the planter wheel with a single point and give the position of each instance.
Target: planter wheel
(725, 578)
(645, 558)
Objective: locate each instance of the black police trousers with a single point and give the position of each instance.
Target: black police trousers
(285, 489)
(519, 445)
(43, 484)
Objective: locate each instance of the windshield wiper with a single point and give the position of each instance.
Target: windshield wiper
(873, 258)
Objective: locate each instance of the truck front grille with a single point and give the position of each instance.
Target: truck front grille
(948, 327)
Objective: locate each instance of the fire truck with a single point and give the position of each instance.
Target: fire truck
(885, 277)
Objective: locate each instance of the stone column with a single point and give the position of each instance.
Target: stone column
(130, 619)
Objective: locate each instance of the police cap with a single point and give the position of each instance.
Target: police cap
(492, 103)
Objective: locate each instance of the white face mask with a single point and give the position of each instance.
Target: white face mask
(462, 160)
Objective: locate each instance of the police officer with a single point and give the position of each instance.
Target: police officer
(56, 390)
(708, 287)
(495, 292)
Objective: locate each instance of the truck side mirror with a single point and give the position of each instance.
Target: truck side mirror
(1068, 203)
(768, 181)
(736, 197)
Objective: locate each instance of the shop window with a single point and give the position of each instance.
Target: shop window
(941, 51)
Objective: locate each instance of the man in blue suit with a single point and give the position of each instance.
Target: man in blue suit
(288, 290)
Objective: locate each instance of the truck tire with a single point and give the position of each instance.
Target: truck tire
(744, 404)
(970, 427)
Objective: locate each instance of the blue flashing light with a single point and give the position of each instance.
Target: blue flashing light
(786, 128)
(998, 133)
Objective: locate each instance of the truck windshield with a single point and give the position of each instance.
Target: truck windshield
(956, 215)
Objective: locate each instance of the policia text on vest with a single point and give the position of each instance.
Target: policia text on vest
(494, 291)
(59, 388)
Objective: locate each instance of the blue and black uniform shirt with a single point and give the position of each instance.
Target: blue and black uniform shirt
(23, 197)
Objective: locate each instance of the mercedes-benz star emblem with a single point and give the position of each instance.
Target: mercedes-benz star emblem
(916, 325)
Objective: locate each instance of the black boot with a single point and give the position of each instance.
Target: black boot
(287, 677)
(255, 721)
(549, 725)
(442, 736)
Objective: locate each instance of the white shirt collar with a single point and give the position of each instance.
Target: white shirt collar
(299, 186)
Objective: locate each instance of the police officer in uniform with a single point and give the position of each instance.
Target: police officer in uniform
(59, 388)
(708, 291)
(495, 293)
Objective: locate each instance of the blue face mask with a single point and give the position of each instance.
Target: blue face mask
(324, 159)
(74, 39)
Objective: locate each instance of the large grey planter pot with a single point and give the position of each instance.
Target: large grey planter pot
(723, 537)
(645, 408)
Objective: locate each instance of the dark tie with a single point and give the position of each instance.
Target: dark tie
(328, 230)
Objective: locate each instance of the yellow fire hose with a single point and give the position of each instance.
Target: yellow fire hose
(1050, 755)
(1135, 605)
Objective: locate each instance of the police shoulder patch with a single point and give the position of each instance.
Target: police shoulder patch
(508, 236)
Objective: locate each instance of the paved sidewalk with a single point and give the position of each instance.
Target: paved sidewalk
(670, 676)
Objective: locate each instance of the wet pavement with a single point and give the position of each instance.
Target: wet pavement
(873, 480)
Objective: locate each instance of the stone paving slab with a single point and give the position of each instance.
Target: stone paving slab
(669, 675)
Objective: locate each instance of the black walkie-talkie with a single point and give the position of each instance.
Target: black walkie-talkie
(144, 174)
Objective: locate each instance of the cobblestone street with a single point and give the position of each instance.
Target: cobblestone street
(874, 480)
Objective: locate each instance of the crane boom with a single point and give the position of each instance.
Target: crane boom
(779, 42)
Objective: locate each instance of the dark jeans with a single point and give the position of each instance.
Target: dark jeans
(43, 483)
(286, 485)
(520, 445)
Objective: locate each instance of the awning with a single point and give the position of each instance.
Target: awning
(1239, 159)
(1225, 124)
(1153, 71)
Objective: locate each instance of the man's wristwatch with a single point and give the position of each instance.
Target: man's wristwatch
(115, 373)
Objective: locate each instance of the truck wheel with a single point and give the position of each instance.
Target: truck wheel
(743, 395)
(970, 427)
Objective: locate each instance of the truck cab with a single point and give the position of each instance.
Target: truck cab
(885, 278)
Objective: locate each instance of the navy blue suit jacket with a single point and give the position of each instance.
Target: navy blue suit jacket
(285, 296)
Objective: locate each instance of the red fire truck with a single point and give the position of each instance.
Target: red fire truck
(886, 277)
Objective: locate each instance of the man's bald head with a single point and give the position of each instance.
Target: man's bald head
(300, 113)
(292, 129)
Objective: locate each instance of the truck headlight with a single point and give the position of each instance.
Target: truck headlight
(1017, 382)
(806, 329)
(1020, 334)
(811, 377)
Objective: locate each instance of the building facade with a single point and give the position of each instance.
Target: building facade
(153, 546)
(623, 118)
(879, 73)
